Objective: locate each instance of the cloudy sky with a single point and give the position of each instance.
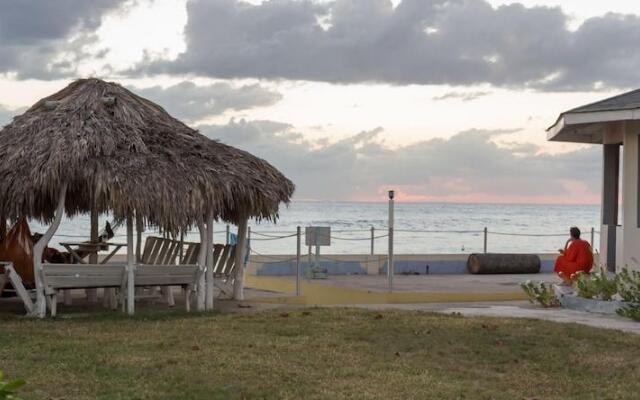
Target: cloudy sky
(443, 100)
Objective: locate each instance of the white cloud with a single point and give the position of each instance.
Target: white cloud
(45, 39)
(189, 101)
(469, 164)
(6, 114)
(373, 41)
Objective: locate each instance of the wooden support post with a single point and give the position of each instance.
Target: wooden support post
(181, 249)
(238, 283)
(139, 230)
(209, 263)
(131, 267)
(228, 237)
(40, 309)
(202, 261)
(3, 225)
(92, 294)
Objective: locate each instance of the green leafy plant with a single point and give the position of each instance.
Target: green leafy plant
(540, 293)
(595, 285)
(629, 291)
(7, 389)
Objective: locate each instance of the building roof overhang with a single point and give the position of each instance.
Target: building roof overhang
(588, 124)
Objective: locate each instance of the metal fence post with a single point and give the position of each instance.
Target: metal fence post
(485, 239)
(373, 233)
(228, 235)
(298, 244)
(390, 269)
(593, 234)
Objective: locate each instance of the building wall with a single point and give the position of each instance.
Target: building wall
(364, 264)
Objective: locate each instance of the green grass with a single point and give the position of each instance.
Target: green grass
(317, 353)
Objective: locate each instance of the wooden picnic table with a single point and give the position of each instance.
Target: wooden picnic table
(91, 248)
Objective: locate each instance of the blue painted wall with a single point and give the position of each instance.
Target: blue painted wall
(332, 267)
(356, 268)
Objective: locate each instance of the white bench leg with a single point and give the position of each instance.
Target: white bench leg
(187, 299)
(92, 295)
(109, 299)
(53, 304)
(167, 293)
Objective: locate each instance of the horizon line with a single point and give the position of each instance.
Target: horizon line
(444, 202)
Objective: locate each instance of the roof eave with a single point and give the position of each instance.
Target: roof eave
(574, 120)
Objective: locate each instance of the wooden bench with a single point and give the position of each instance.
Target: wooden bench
(56, 277)
(186, 276)
(161, 251)
(224, 264)
(10, 275)
(224, 267)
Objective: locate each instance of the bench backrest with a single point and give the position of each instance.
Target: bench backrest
(160, 251)
(166, 275)
(73, 276)
(191, 253)
(224, 259)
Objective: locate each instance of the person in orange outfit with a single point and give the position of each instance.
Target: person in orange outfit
(577, 256)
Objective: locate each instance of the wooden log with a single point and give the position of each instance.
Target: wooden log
(492, 263)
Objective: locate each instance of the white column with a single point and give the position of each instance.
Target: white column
(628, 251)
(131, 266)
(202, 261)
(38, 249)
(238, 283)
(209, 262)
(609, 211)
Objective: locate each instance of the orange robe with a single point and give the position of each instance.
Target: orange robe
(578, 257)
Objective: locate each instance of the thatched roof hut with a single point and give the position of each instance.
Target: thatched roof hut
(96, 147)
(127, 153)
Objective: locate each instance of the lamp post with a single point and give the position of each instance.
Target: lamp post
(390, 262)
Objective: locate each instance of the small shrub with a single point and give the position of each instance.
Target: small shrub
(7, 389)
(595, 285)
(540, 293)
(629, 291)
(632, 311)
(629, 285)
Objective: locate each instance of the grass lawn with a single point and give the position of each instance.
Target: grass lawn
(317, 353)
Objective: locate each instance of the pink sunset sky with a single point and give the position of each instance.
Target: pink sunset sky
(440, 100)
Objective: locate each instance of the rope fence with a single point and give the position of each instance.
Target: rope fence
(371, 235)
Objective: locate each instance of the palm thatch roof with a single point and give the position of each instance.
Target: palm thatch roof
(127, 155)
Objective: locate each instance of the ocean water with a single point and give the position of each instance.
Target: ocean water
(430, 228)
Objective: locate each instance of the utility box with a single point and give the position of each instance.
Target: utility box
(317, 236)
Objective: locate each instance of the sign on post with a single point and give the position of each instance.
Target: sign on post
(317, 236)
